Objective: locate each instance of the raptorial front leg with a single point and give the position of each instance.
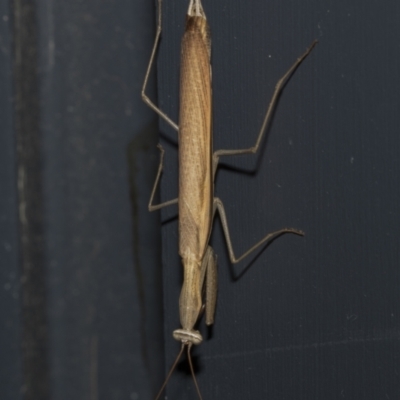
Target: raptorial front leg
(278, 89)
(160, 168)
(220, 207)
(211, 287)
(208, 278)
(145, 98)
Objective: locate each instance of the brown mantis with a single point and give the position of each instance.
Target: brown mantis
(197, 167)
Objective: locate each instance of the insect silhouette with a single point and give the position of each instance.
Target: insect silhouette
(197, 166)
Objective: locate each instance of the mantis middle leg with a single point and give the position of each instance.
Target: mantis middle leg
(218, 205)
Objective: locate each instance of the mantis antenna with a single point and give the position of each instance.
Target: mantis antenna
(172, 369)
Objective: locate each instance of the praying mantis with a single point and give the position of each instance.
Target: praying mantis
(197, 167)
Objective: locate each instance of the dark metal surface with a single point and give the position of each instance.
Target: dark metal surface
(88, 252)
(306, 318)
(10, 300)
(103, 261)
(30, 178)
(314, 317)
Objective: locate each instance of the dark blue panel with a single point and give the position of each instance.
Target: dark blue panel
(314, 317)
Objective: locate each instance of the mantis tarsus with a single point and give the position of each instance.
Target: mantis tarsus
(197, 167)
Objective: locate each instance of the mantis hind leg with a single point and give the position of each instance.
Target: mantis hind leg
(145, 98)
(154, 207)
(218, 205)
(278, 90)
